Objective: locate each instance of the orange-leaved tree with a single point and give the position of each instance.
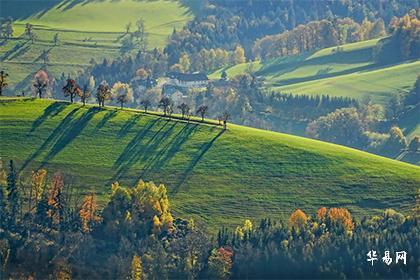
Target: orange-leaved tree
(298, 219)
(341, 216)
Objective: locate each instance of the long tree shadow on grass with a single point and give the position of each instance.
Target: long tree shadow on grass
(167, 151)
(136, 143)
(68, 129)
(128, 125)
(141, 150)
(53, 135)
(73, 129)
(51, 111)
(152, 151)
(109, 115)
(188, 170)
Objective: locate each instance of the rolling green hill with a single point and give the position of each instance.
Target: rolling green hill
(87, 30)
(350, 72)
(218, 177)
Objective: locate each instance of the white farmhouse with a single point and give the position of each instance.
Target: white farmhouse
(193, 80)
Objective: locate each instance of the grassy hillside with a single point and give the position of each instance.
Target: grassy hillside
(218, 177)
(87, 29)
(350, 72)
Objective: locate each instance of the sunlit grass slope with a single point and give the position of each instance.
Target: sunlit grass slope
(350, 72)
(87, 30)
(217, 177)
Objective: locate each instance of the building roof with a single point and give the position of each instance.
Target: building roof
(188, 77)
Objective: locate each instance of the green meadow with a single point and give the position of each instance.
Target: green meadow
(218, 177)
(87, 30)
(349, 72)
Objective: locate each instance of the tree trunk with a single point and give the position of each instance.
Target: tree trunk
(122, 105)
(1, 91)
(71, 98)
(84, 101)
(40, 93)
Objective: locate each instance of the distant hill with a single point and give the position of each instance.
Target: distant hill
(351, 72)
(218, 177)
(87, 30)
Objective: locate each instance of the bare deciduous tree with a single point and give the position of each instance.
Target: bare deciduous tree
(146, 104)
(185, 109)
(202, 111)
(166, 104)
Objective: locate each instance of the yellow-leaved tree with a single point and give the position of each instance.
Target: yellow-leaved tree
(87, 213)
(37, 188)
(55, 199)
(144, 208)
(245, 230)
(136, 268)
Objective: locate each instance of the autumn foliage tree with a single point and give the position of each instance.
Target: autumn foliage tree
(40, 83)
(55, 210)
(13, 193)
(143, 209)
(298, 220)
(37, 188)
(122, 93)
(136, 268)
(220, 263)
(103, 93)
(341, 216)
(321, 213)
(88, 213)
(72, 89)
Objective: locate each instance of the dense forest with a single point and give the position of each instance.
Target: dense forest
(135, 235)
(226, 24)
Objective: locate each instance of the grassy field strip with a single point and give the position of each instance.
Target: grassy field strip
(217, 176)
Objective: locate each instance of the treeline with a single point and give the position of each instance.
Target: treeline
(371, 127)
(404, 43)
(47, 230)
(317, 35)
(328, 244)
(125, 69)
(250, 105)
